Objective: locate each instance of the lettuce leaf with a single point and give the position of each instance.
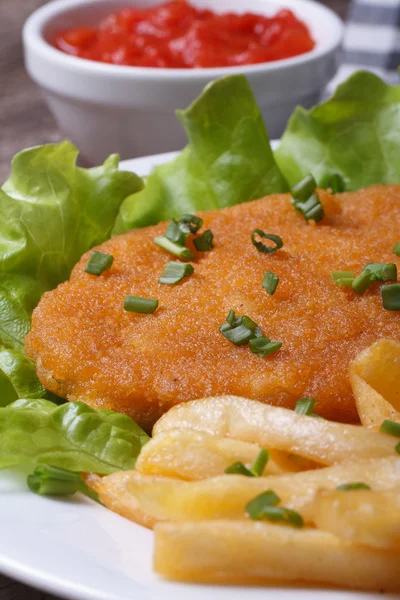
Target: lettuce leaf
(228, 160)
(52, 211)
(355, 134)
(73, 436)
(18, 378)
(18, 297)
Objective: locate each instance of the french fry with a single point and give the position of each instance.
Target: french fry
(112, 491)
(193, 455)
(374, 377)
(225, 496)
(361, 516)
(255, 552)
(319, 440)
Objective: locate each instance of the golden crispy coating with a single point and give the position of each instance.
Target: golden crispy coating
(88, 347)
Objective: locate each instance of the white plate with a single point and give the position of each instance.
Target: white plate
(79, 550)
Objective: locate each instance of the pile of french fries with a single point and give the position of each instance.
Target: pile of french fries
(202, 530)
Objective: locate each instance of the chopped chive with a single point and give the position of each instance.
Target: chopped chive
(98, 262)
(263, 346)
(390, 427)
(357, 485)
(311, 209)
(175, 234)
(391, 296)
(397, 448)
(232, 318)
(239, 335)
(333, 181)
(204, 242)
(239, 330)
(264, 507)
(179, 229)
(305, 406)
(276, 239)
(256, 470)
(362, 283)
(238, 468)
(306, 201)
(260, 463)
(343, 278)
(190, 223)
(277, 514)
(270, 282)
(51, 481)
(174, 248)
(145, 306)
(255, 507)
(382, 271)
(396, 249)
(374, 272)
(249, 323)
(243, 330)
(175, 271)
(304, 189)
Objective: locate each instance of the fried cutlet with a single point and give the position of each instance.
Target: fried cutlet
(87, 347)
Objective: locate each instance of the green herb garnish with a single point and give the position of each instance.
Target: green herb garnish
(239, 330)
(343, 278)
(243, 330)
(390, 427)
(305, 406)
(174, 248)
(374, 272)
(391, 296)
(239, 336)
(99, 262)
(204, 242)
(306, 201)
(136, 304)
(174, 239)
(396, 249)
(265, 506)
(52, 481)
(270, 282)
(175, 271)
(268, 236)
(190, 223)
(179, 229)
(357, 485)
(256, 470)
(263, 346)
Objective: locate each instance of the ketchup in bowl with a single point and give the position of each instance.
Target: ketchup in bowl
(177, 35)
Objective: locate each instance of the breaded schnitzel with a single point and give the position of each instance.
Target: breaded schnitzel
(87, 347)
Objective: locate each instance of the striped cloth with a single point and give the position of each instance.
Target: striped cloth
(371, 41)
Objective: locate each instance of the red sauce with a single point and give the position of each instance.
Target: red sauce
(178, 35)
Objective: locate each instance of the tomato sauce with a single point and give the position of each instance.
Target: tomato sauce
(177, 35)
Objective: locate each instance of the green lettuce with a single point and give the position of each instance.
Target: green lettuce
(52, 211)
(19, 295)
(18, 378)
(228, 160)
(72, 436)
(355, 134)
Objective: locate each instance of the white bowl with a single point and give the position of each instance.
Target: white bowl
(107, 108)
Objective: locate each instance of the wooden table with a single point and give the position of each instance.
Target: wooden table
(25, 121)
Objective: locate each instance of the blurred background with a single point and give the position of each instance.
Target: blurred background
(24, 119)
